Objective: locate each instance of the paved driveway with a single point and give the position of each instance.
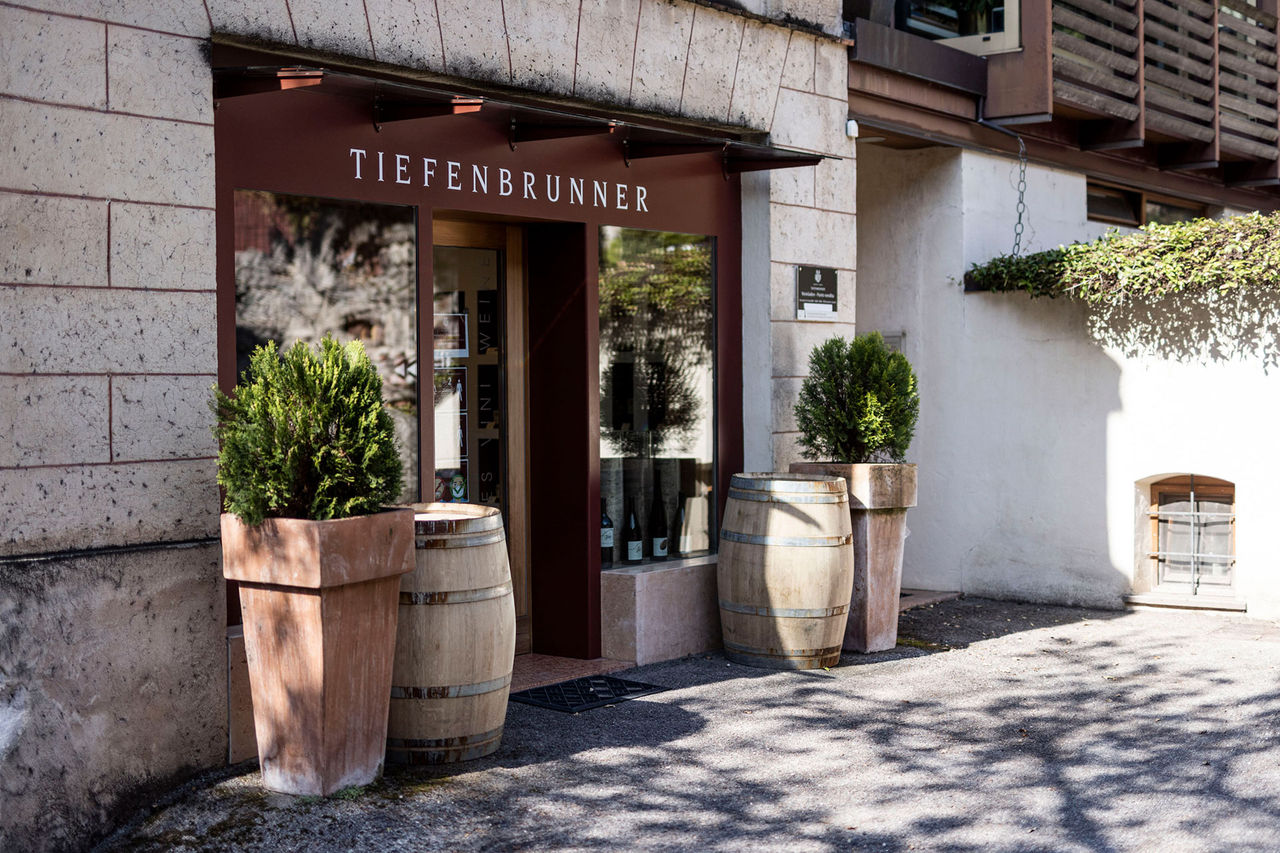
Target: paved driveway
(997, 726)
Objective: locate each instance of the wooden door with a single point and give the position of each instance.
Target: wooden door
(480, 382)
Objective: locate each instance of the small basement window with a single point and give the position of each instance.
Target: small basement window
(1193, 535)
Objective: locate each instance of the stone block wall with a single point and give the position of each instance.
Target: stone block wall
(794, 217)
(107, 281)
(112, 672)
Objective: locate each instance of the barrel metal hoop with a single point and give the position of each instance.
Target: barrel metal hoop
(781, 653)
(455, 691)
(444, 742)
(787, 541)
(424, 525)
(802, 484)
(433, 541)
(459, 596)
(783, 612)
(790, 497)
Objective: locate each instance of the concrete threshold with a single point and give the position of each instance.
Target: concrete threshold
(534, 670)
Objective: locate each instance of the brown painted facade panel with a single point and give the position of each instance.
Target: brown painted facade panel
(562, 189)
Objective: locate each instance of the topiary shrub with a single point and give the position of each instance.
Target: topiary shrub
(859, 402)
(304, 435)
(1200, 256)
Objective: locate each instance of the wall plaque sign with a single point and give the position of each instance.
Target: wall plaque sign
(816, 293)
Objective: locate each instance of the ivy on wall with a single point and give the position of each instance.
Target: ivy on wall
(1201, 256)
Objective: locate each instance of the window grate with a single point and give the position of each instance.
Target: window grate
(1194, 534)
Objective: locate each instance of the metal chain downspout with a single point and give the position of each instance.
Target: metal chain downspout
(1022, 196)
(1022, 172)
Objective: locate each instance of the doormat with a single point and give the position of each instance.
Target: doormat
(583, 694)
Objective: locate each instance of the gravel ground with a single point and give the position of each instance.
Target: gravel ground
(993, 726)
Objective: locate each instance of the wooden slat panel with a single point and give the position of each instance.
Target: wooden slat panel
(1174, 126)
(1179, 83)
(1089, 50)
(1106, 11)
(1093, 76)
(1095, 102)
(1247, 89)
(1171, 103)
(1177, 18)
(1194, 7)
(1246, 29)
(1244, 66)
(1235, 124)
(1066, 18)
(1156, 53)
(1247, 147)
(1157, 31)
(1239, 45)
(1265, 19)
(1249, 108)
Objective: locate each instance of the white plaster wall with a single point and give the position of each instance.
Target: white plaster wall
(1039, 416)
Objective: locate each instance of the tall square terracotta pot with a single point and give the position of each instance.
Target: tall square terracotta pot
(879, 496)
(319, 601)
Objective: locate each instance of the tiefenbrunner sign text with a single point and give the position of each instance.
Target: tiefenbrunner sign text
(480, 179)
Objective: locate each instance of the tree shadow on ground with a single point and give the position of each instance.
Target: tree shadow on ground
(1092, 731)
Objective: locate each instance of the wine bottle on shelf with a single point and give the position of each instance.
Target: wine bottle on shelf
(680, 537)
(606, 537)
(658, 521)
(634, 541)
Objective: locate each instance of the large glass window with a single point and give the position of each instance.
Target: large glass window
(657, 400)
(309, 267)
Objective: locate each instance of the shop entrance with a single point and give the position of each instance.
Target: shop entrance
(479, 383)
(545, 271)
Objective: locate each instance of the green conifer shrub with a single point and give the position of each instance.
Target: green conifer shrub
(304, 435)
(859, 402)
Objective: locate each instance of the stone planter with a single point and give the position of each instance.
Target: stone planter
(319, 603)
(879, 496)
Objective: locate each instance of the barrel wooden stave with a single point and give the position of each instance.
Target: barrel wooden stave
(456, 639)
(785, 572)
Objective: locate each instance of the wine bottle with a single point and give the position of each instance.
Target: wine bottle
(658, 521)
(634, 541)
(606, 537)
(680, 540)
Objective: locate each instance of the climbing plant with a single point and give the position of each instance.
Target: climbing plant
(1201, 256)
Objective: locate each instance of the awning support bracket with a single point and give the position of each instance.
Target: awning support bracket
(386, 111)
(532, 132)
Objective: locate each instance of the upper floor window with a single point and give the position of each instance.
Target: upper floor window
(1124, 206)
(974, 26)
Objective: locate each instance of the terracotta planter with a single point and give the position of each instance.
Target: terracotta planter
(319, 604)
(879, 496)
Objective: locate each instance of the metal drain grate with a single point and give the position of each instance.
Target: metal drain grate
(583, 694)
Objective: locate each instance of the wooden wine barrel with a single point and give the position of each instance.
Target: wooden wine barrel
(456, 638)
(785, 572)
